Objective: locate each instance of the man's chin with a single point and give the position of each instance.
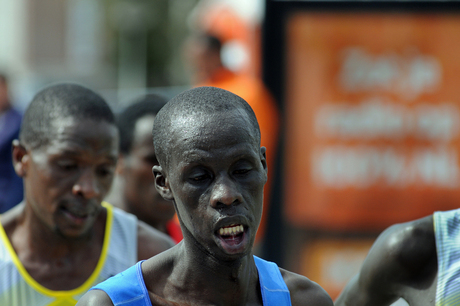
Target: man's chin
(235, 246)
(74, 233)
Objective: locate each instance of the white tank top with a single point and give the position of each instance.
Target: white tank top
(119, 252)
(447, 233)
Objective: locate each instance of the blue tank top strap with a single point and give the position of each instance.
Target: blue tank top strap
(272, 285)
(127, 288)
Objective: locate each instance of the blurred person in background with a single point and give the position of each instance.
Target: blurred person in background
(202, 53)
(134, 188)
(62, 238)
(11, 189)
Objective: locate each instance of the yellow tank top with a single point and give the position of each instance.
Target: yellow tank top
(119, 252)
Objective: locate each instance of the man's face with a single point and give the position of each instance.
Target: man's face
(216, 175)
(202, 61)
(66, 180)
(141, 196)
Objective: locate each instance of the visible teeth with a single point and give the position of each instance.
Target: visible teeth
(231, 230)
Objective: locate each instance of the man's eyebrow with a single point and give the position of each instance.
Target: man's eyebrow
(76, 153)
(67, 152)
(194, 155)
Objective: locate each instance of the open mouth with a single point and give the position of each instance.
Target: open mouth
(232, 235)
(75, 216)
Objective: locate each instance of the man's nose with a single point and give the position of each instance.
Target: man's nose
(86, 185)
(225, 192)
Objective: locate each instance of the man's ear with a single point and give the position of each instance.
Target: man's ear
(20, 158)
(263, 158)
(162, 183)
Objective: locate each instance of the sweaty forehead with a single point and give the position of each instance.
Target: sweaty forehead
(202, 130)
(82, 133)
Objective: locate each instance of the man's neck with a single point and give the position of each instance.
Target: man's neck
(56, 262)
(228, 282)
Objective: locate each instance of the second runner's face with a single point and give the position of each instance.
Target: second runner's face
(142, 198)
(67, 179)
(216, 176)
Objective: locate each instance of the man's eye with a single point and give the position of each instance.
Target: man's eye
(242, 171)
(198, 178)
(68, 166)
(105, 171)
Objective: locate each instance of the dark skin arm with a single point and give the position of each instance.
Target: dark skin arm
(401, 263)
(305, 292)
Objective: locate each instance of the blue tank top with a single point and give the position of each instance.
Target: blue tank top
(128, 288)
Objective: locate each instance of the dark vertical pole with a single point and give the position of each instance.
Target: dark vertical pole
(272, 72)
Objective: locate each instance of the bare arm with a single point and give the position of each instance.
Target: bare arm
(151, 241)
(373, 284)
(95, 298)
(399, 258)
(304, 291)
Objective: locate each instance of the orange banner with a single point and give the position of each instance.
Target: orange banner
(372, 118)
(333, 262)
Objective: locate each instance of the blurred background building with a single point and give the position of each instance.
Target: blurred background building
(113, 46)
(118, 47)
